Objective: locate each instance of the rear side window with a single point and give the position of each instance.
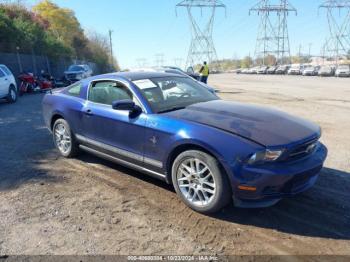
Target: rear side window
(74, 90)
(1, 73)
(6, 70)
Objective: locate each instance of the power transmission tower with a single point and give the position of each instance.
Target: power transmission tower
(202, 45)
(159, 60)
(273, 37)
(141, 62)
(338, 43)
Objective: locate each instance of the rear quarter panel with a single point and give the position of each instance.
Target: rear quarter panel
(68, 107)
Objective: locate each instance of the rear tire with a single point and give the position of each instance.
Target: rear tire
(200, 182)
(64, 139)
(12, 95)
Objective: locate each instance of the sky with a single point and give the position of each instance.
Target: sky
(144, 28)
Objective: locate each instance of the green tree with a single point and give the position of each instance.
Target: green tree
(62, 21)
(99, 50)
(246, 62)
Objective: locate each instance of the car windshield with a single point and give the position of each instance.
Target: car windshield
(172, 93)
(75, 68)
(344, 67)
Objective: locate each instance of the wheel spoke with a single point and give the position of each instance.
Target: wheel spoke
(183, 179)
(188, 169)
(193, 168)
(205, 194)
(205, 169)
(212, 185)
(210, 191)
(207, 177)
(197, 166)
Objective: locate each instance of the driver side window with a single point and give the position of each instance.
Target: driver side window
(106, 92)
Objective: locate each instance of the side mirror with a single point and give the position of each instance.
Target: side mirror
(126, 105)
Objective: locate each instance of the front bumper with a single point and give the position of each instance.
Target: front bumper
(272, 182)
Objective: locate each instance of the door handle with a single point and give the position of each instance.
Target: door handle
(89, 112)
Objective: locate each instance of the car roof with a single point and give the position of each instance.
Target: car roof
(132, 76)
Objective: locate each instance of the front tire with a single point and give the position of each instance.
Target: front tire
(64, 139)
(200, 182)
(12, 95)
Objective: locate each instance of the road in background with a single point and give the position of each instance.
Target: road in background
(52, 205)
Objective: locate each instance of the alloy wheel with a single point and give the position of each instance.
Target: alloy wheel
(196, 182)
(62, 138)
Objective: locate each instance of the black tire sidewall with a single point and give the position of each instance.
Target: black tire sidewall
(223, 192)
(9, 97)
(74, 146)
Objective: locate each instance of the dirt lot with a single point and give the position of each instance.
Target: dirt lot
(51, 205)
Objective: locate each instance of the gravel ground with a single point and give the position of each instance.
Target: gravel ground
(51, 205)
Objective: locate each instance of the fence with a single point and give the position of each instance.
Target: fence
(18, 63)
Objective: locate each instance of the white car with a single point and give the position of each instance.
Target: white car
(343, 71)
(8, 86)
(295, 69)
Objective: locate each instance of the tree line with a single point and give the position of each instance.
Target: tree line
(47, 29)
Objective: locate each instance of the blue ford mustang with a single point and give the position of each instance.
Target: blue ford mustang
(173, 128)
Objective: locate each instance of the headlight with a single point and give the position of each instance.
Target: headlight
(265, 156)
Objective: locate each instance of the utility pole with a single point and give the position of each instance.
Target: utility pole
(338, 42)
(202, 45)
(111, 45)
(273, 37)
(310, 45)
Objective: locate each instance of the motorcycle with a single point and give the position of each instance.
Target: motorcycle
(30, 83)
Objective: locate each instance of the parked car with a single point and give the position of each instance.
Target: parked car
(295, 69)
(272, 70)
(282, 70)
(262, 70)
(172, 128)
(326, 71)
(77, 72)
(190, 71)
(343, 71)
(244, 70)
(8, 86)
(253, 70)
(310, 71)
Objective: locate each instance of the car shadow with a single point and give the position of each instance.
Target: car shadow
(320, 212)
(323, 211)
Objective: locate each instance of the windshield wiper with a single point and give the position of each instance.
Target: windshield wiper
(172, 109)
